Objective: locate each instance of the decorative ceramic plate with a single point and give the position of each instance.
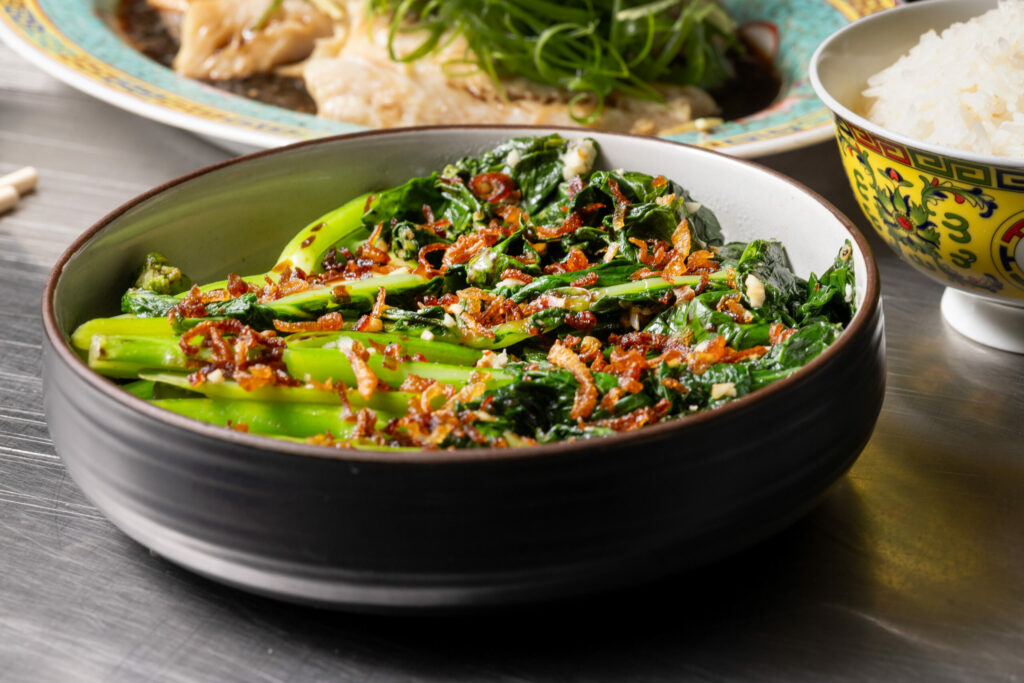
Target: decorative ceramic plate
(73, 41)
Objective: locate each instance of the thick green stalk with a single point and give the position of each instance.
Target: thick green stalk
(435, 351)
(141, 388)
(346, 293)
(456, 332)
(654, 284)
(505, 335)
(125, 356)
(122, 356)
(265, 417)
(257, 280)
(394, 402)
(120, 325)
(308, 247)
(306, 305)
(322, 364)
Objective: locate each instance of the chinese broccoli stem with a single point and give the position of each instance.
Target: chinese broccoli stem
(396, 402)
(307, 248)
(505, 335)
(653, 284)
(266, 417)
(257, 280)
(436, 351)
(126, 357)
(305, 305)
(120, 325)
(322, 364)
(141, 388)
(317, 300)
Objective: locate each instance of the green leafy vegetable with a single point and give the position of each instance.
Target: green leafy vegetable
(507, 300)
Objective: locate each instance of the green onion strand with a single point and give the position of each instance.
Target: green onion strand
(594, 50)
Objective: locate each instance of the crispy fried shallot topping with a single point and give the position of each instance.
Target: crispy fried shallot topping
(469, 245)
(621, 205)
(730, 305)
(372, 322)
(644, 273)
(590, 348)
(681, 245)
(701, 262)
(575, 260)
(237, 286)
(587, 280)
(778, 333)
(366, 380)
(583, 321)
(516, 274)
(236, 351)
(638, 418)
(366, 419)
(193, 304)
(425, 268)
(715, 350)
(328, 322)
(512, 215)
(571, 224)
(494, 187)
(586, 393)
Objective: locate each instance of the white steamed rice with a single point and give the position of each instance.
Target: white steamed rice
(963, 88)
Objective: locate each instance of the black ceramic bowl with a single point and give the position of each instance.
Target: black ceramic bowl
(441, 530)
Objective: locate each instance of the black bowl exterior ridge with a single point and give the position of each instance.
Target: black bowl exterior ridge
(438, 531)
(389, 535)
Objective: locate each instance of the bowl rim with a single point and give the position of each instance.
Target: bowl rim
(840, 110)
(858, 326)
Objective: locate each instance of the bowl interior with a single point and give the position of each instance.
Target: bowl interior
(847, 59)
(237, 216)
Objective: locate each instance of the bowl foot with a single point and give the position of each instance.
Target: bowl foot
(1000, 326)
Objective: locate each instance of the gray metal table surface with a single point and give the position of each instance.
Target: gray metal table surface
(911, 569)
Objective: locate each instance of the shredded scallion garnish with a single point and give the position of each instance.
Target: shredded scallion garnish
(332, 8)
(592, 50)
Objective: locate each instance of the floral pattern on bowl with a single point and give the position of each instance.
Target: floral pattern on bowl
(959, 222)
(955, 215)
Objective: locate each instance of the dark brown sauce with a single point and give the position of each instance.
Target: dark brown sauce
(756, 86)
(140, 25)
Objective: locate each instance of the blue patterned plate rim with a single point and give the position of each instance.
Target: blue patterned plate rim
(71, 40)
